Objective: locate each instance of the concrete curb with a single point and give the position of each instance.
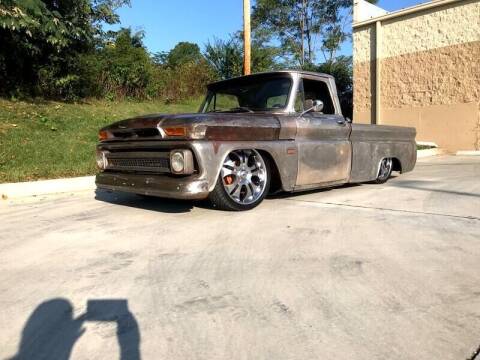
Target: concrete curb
(468, 153)
(429, 152)
(44, 187)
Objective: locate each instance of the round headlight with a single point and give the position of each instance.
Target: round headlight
(177, 162)
(101, 160)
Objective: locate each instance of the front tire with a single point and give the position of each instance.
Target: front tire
(243, 183)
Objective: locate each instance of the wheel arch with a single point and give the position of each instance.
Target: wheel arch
(276, 180)
(283, 165)
(397, 164)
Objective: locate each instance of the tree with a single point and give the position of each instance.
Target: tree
(338, 29)
(160, 58)
(44, 36)
(298, 25)
(182, 53)
(124, 66)
(264, 55)
(341, 69)
(225, 57)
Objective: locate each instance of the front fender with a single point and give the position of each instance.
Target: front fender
(211, 155)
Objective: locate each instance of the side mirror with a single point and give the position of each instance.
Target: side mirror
(317, 105)
(313, 105)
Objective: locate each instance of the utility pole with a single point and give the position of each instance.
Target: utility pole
(246, 38)
(302, 25)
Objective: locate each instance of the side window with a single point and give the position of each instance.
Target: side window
(318, 90)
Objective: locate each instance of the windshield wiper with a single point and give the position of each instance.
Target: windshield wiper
(242, 108)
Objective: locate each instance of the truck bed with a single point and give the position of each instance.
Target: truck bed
(371, 143)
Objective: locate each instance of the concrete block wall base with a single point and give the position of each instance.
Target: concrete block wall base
(44, 187)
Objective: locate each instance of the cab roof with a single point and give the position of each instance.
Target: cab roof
(273, 73)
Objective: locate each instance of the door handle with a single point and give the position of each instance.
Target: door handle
(341, 122)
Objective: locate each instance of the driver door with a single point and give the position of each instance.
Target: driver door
(324, 150)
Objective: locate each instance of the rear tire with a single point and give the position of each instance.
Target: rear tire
(384, 171)
(243, 182)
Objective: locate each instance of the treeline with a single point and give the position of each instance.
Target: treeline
(59, 49)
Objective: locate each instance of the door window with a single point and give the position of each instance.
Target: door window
(318, 90)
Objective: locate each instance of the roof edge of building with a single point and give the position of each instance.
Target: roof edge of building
(406, 11)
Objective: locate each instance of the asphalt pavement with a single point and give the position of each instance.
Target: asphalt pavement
(367, 271)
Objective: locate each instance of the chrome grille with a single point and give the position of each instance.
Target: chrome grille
(151, 163)
(158, 162)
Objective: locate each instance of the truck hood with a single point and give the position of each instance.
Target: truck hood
(211, 126)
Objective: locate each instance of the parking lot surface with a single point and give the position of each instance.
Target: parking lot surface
(359, 272)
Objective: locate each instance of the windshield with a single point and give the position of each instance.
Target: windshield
(249, 94)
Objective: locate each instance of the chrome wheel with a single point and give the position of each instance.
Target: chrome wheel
(244, 176)
(385, 169)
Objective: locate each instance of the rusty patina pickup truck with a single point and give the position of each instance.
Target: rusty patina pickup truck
(253, 135)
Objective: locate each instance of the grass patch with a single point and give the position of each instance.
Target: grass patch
(45, 140)
(425, 147)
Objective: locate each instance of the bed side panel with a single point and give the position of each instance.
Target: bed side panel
(372, 143)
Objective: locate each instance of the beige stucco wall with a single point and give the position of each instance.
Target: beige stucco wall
(430, 74)
(452, 24)
(363, 74)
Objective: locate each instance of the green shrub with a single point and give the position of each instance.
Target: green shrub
(186, 81)
(125, 68)
(68, 87)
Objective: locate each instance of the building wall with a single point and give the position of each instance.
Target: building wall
(364, 74)
(429, 65)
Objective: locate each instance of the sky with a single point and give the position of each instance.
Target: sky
(168, 22)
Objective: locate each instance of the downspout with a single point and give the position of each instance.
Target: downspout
(378, 71)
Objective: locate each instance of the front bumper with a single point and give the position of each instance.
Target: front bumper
(188, 188)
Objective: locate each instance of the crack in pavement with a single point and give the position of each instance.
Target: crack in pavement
(387, 209)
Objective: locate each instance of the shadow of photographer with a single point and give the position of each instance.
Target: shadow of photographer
(51, 330)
